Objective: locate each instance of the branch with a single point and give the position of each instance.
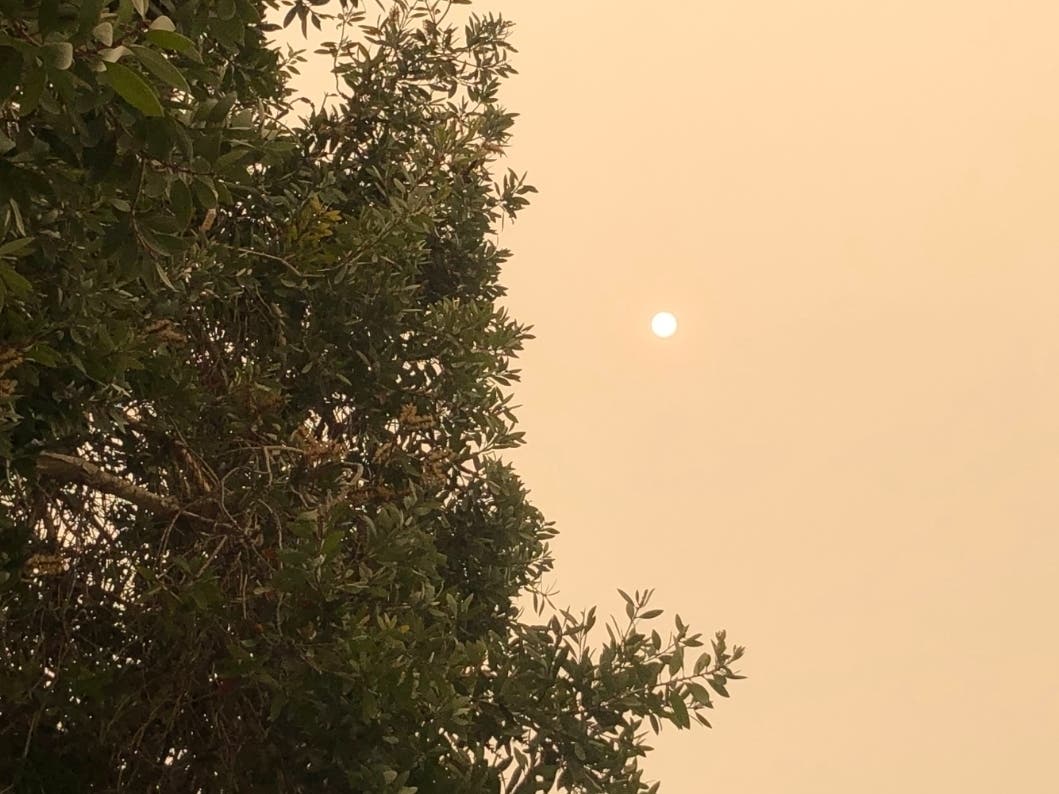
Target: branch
(70, 469)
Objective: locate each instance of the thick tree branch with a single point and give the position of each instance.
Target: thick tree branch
(71, 469)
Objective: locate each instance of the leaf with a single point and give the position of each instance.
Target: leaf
(104, 33)
(651, 613)
(180, 201)
(61, 55)
(248, 12)
(10, 72)
(219, 112)
(168, 40)
(47, 16)
(717, 684)
(43, 354)
(32, 88)
(164, 244)
(17, 247)
(16, 284)
(702, 663)
(163, 23)
(141, 7)
(232, 158)
(700, 693)
(680, 710)
(304, 524)
(719, 646)
(133, 89)
(163, 275)
(158, 65)
(224, 196)
(88, 16)
(114, 54)
(331, 542)
(204, 192)
(199, 597)
(279, 700)
(79, 365)
(676, 661)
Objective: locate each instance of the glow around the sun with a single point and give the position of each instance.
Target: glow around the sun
(664, 324)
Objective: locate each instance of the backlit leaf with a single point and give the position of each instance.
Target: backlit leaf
(104, 33)
(114, 54)
(158, 65)
(133, 89)
(16, 284)
(19, 247)
(61, 55)
(169, 40)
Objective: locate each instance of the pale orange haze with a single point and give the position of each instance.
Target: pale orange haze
(848, 454)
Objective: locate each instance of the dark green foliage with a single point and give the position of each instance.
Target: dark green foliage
(253, 532)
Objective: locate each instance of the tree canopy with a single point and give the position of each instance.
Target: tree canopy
(255, 534)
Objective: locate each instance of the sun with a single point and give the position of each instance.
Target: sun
(664, 324)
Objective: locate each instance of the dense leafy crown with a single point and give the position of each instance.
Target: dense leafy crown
(253, 532)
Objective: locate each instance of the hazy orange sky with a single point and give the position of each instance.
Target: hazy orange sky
(848, 455)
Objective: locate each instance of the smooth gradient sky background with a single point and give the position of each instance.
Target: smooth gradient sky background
(848, 455)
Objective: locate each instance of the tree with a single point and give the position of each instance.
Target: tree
(255, 535)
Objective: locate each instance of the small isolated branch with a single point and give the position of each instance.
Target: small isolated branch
(71, 469)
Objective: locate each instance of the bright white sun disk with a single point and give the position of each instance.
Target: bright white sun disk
(664, 324)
